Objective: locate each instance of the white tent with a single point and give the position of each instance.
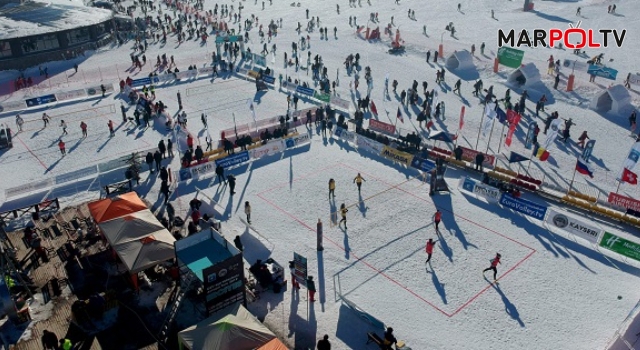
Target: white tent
(232, 328)
(139, 239)
(460, 60)
(612, 99)
(526, 75)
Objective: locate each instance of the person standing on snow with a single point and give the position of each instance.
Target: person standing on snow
(170, 147)
(83, 127)
(358, 181)
(292, 270)
(343, 213)
(437, 217)
(19, 122)
(149, 160)
(162, 148)
(46, 119)
(332, 188)
(494, 266)
(247, 211)
(61, 146)
(582, 139)
(110, 125)
(429, 249)
(157, 157)
(63, 125)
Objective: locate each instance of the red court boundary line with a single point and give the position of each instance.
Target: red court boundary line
(30, 151)
(358, 259)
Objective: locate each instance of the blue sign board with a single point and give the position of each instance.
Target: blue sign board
(37, 101)
(185, 174)
(145, 81)
(268, 79)
(601, 71)
(524, 206)
(304, 90)
(468, 184)
(233, 159)
(423, 164)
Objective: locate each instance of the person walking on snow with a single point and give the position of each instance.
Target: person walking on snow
(294, 281)
(311, 287)
(83, 126)
(63, 125)
(45, 119)
(429, 249)
(437, 217)
(332, 188)
(358, 181)
(343, 213)
(494, 264)
(247, 211)
(61, 145)
(110, 125)
(582, 139)
(19, 122)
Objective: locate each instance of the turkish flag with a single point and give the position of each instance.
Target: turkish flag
(373, 108)
(461, 118)
(629, 176)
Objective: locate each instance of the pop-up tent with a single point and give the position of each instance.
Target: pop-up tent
(526, 75)
(232, 328)
(460, 60)
(139, 239)
(274, 344)
(611, 100)
(111, 208)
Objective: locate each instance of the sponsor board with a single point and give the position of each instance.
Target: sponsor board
(382, 127)
(71, 95)
(268, 79)
(524, 206)
(78, 174)
(510, 57)
(184, 174)
(572, 225)
(423, 164)
(271, 148)
(321, 96)
(97, 90)
(113, 164)
(345, 135)
(368, 144)
(620, 245)
(471, 154)
(202, 169)
(304, 90)
(233, 159)
(297, 140)
(205, 70)
(487, 192)
(253, 74)
(26, 188)
(289, 86)
(224, 284)
(300, 266)
(622, 201)
(187, 74)
(42, 100)
(12, 106)
(337, 102)
(396, 156)
(601, 71)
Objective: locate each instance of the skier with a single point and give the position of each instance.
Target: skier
(429, 249)
(343, 213)
(358, 181)
(61, 145)
(632, 118)
(332, 188)
(63, 125)
(494, 264)
(435, 56)
(164, 174)
(428, 55)
(437, 217)
(482, 48)
(247, 211)
(110, 125)
(19, 122)
(578, 11)
(83, 126)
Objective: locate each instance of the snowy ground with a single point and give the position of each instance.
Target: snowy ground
(554, 292)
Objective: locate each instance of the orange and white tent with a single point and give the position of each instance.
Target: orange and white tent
(111, 208)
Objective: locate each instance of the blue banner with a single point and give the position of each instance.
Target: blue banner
(184, 174)
(423, 164)
(601, 71)
(145, 81)
(37, 101)
(524, 206)
(305, 91)
(468, 185)
(233, 159)
(268, 79)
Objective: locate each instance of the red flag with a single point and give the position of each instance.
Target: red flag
(400, 115)
(373, 108)
(629, 176)
(461, 118)
(512, 130)
(429, 124)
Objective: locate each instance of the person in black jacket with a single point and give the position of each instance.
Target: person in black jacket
(170, 147)
(389, 338)
(158, 158)
(164, 189)
(232, 183)
(199, 154)
(479, 161)
(162, 148)
(220, 174)
(149, 161)
(164, 174)
(324, 344)
(458, 153)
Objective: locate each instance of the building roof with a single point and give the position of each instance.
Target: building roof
(33, 18)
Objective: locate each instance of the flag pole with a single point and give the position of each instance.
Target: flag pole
(501, 134)
(493, 124)
(528, 165)
(619, 183)
(573, 178)
(479, 128)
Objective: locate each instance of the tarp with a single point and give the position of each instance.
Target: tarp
(460, 60)
(526, 75)
(274, 344)
(232, 328)
(612, 99)
(111, 208)
(139, 239)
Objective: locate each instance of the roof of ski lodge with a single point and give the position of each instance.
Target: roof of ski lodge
(34, 18)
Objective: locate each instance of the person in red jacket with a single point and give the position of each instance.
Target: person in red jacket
(61, 145)
(83, 126)
(494, 264)
(429, 249)
(110, 125)
(437, 217)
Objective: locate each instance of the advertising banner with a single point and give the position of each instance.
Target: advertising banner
(233, 159)
(575, 64)
(71, 95)
(300, 265)
(78, 174)
(224, 284)
(289, 86)
(184, 174)
(269, 79)
(471, 154)
(259, 60)
(202, 169)
(620, 245)
(487, 192)
(205, 71)
(368, 144)
(601, 71)
(296, 141)
(37, 101)
(138, 82)
(423, 164)
(108, 88)
(396, 156)
(321, 96)
(524, 206)
(574, 226)
(12, 106)
(187, 74)
(271, 148)
(379, 126)
(531, 129)
(622, 201)
(253, 74)
(510, 57)
(304, 90)
(337, 102)
(113, 164)
(29, 187)
(345, 135)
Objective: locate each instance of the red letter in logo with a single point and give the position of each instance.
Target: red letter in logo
(554, 35)
(592, 45)
(581, 44)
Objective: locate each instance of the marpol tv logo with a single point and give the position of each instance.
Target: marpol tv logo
(573, 37)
